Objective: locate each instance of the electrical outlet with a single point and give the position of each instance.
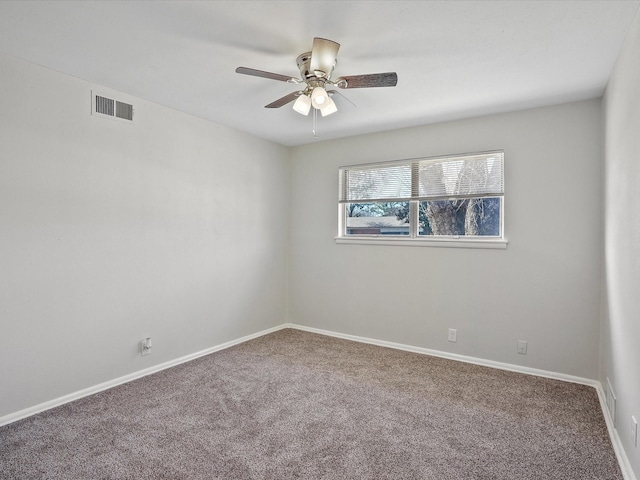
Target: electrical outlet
(522, 347)
(634, 430)
(145, 346)
(453, 335)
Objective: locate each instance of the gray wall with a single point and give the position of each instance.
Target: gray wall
(173, 228)
(544, 288)
(188, 232)
(620, 339)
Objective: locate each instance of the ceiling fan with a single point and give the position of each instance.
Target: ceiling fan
(316, 68)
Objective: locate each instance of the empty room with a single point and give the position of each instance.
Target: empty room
(320, 240)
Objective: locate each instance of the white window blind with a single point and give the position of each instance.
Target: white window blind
(381, 182)
(461, 176)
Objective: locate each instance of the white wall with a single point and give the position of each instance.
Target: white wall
(544, 288)
(173, 228)
(620, 343)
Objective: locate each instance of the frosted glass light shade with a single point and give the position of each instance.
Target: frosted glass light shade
(319, 97)
(328, 108)
(302, 105)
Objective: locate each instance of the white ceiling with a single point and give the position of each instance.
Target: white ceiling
(454, 59)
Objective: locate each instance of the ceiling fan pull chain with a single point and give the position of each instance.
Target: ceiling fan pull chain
(315, 122)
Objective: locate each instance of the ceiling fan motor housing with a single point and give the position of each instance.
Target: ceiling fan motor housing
(304, 65)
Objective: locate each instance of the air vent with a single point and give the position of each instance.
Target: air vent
(611, 402)
(104, 106)
(124, 110)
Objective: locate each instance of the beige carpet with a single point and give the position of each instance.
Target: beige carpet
(296, 405)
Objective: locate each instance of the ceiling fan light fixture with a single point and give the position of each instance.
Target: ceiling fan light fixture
(316, 68)
(328, 108)
(319, 97)
(302, 105)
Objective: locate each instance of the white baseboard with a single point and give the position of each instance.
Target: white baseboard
(623, 460)
(27, 412)
(451, 356)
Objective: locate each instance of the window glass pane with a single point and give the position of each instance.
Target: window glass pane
(377, 218)
(476, 217)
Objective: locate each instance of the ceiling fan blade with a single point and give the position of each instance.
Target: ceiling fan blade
(323, 56)
(284, 100)
(389, 79)
(263, 74)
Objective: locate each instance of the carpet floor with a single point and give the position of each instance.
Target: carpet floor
(297, 405)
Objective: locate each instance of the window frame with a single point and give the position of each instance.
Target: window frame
(414, 239)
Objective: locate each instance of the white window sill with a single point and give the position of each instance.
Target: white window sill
(449, 242)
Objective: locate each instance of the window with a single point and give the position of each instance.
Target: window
(452, 199)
